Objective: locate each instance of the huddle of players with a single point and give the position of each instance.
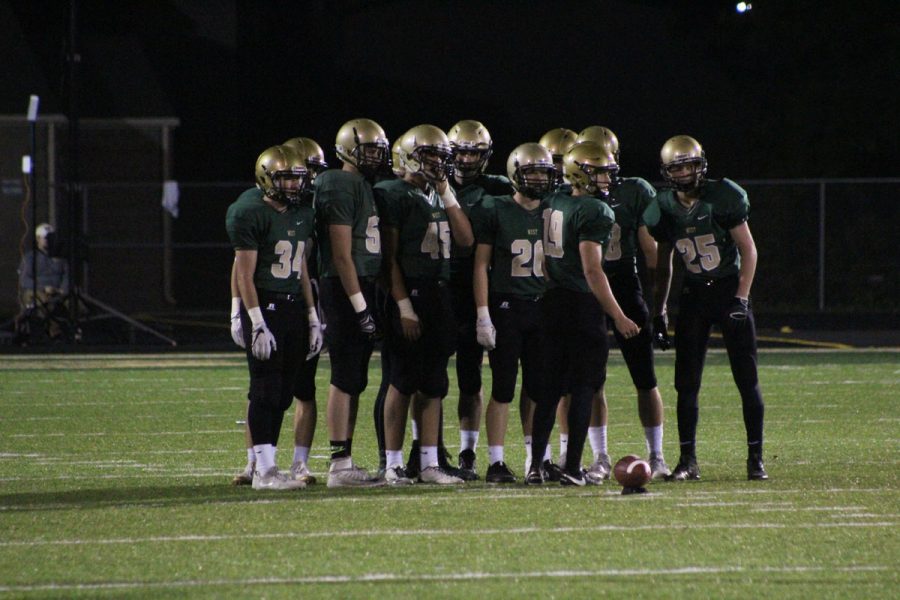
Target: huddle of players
(548, 255)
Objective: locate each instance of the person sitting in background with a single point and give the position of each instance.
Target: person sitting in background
(42, 298)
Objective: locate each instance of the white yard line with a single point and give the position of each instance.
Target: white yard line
(436, 533)
(440, 577)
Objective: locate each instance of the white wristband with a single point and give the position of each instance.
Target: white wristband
(358, 302)
(255, 316)
(313, 317)
(449, 198)
(483, 313)
(406, 309)
(235, 305)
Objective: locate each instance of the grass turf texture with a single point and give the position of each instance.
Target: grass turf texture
(114, 482)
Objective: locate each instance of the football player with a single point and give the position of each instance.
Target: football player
(269, 229)
(558, 141)
(508, 285)
(305, 414)
(422, 219)
(628, 197)
(576, 303)
(472, 148)
(347, 226)
(705, 221)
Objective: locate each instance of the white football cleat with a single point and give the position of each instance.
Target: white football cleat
(274, 479)
(600, 468)
(300, 472)
(352, 476)
(396, 475)
(658, 467)
(435, 474)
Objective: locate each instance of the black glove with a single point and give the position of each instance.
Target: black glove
(660, 335)
(367, 324)
(739, 309)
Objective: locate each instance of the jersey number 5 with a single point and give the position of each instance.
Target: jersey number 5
(288, 262)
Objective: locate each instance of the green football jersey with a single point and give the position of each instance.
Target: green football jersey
(469, 196)
(278, 238)
(701, 234)
(628, 200)
(344, 198)
(568, 221)
(517, 237)
(423, 249)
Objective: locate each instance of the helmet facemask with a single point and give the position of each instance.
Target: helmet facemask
(435, 163)
(599, 181)
(535, 181)
(289, 186)
(685, 181)
(470, 161)
(370, 158)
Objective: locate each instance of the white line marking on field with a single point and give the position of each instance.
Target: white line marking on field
(434, 533)
(439, 577)
(125, 433)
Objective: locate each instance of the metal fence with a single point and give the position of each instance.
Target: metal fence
(825, 245)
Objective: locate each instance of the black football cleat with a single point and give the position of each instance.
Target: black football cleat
(686, 470)
(467, 465)
(499, 473)
(567, 478)
(534, 476)
(756, 471)
(552, 471)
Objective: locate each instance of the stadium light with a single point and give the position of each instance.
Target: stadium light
(743, 7)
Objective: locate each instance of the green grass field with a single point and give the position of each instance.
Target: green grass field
(115, 471)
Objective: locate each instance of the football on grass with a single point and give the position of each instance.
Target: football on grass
(632, 471)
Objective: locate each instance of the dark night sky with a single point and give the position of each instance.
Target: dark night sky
(791, 89)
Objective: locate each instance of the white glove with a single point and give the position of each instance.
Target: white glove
(263, 340)
(315, 334)
(485, 333)
(237, 330)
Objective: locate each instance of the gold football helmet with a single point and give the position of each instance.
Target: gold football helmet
(315, 156)
(281, 174)
(396, 167)
(558, 141)
(363, 144)
(425, 150)
(677, 153)
(472, 147)
(601, 135)
(531, 170)
(591, 167)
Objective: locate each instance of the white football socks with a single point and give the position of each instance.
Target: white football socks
(265, 457)
(468, 439)
(654, 437)
(301, 454)
(597, 437)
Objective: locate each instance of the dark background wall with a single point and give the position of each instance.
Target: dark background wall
(789, 89)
